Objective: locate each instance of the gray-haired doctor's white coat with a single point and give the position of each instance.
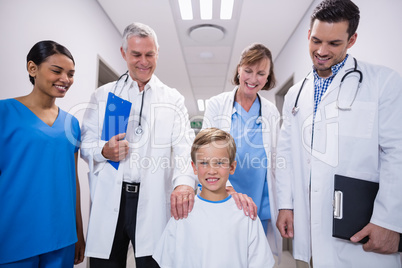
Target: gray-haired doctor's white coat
(163, 152)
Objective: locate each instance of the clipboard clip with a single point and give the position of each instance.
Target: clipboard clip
(338, 205)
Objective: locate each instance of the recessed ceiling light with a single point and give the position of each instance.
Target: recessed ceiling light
(206, 9)
(206, 55)
(200, 103)
(226, 9)
(186, 9)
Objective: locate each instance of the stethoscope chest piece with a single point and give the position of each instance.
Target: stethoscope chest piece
(138, 131)
(258, 120)
(295, 110)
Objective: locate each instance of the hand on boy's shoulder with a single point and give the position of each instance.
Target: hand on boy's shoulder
(244, 202)
(181, 201)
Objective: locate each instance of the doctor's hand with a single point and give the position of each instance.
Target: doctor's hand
(381, 240)
(181, 201)
(244, 202)
(284, 223)
(116, 148)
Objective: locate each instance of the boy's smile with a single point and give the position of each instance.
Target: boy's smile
(213, 168)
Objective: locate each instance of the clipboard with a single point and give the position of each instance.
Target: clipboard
(353, 206)
(116, 119)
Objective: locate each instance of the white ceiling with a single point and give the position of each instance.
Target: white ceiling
(204, 68)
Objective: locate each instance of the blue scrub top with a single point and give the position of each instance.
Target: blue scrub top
(252, 164)
(37, 182)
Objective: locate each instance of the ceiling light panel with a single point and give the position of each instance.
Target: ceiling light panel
(201, 106)
(226, 9)
(186, 9)
(206, 9)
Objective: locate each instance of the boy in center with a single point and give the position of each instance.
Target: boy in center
(216, 233)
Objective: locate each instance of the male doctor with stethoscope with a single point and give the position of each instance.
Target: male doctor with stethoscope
(343, 118)
(131, 200)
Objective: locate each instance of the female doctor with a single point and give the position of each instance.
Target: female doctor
(252, 121)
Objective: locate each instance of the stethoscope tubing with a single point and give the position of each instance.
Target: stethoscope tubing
(259, 118)
(296, 108)
(138, 130)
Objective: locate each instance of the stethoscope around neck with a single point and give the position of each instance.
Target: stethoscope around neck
(259, 118)
(348, 108)
(138, 130)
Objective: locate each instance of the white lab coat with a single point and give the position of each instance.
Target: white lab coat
(365, 143)
(169, 139)
(219, 114)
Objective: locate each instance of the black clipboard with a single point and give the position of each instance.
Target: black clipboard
(353, 206)
(116, 119)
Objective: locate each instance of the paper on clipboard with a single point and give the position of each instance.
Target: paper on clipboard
(116, 119)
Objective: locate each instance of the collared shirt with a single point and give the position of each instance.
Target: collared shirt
(320, 87)
(132, 163)
(321, 84)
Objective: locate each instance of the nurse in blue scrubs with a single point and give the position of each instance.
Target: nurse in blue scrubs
(253, 121)
(40, 216)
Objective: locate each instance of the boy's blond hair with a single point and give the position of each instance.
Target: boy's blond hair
(212, 135)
